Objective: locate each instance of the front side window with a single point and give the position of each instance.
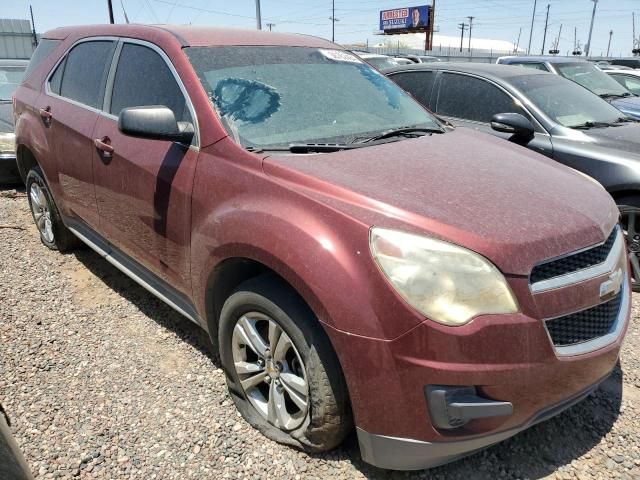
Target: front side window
(418, 84)
(85, 73)
(275, 96)
(142, 79)
(471, 98)
(565, 102)
(592, 78)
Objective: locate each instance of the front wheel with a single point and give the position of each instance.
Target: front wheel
(629, 220)
(281, 370)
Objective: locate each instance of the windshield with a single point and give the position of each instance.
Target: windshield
(564, 102)
(276, 96)
(591, 78)
(10, 78)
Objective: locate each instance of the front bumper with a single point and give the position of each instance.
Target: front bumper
(405, 454)
(9, 173)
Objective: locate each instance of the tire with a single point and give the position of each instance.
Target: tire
(262, 305)
(630, 220)
(53, 233)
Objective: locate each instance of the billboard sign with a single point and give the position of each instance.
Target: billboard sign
(405, 20)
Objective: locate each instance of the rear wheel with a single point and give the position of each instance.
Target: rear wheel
(53, 232)
(281, 370)
(630, 222)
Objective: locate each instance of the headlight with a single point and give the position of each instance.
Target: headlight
(447, 283)
(7, 143)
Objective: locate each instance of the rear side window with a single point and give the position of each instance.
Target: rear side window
(418, 84)
(471, 98)
(85, 72)
(44, 49)
(143, 78)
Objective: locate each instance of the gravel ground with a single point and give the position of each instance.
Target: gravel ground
(101, 380)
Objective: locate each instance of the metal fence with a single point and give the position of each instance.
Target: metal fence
(16, 38)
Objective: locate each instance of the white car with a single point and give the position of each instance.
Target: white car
(629, 79)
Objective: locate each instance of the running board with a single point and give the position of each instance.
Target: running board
(134, 271)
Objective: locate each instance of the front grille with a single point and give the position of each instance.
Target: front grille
(573, 263)
(585, 325)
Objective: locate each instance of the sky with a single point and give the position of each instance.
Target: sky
(358, 19)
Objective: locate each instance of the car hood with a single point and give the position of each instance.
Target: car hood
(629, 105)
(624, 138)
(6, 117)
(503, 201)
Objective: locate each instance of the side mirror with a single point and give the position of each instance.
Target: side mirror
(514, 123)
(155, 122)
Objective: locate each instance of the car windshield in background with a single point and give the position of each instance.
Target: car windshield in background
(10, 78)
(382, 62)
(565, 103)
(592, 78)
(276, 96)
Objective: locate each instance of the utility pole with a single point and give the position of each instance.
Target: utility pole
(333, 20)
(33, 28)
(546, 24)
(533, 17)
(515, 50)
(609, 46)
(470, 26)
(593, 17)
(258, 15)
(554, 49)
(271, 25)
(462, 26)
(110, 12)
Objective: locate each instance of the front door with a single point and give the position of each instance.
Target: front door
(143, 187)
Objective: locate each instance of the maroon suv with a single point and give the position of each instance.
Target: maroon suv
(356, 261)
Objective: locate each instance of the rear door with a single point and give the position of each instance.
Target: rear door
(143, 188)
(470, 101)
(74, 93)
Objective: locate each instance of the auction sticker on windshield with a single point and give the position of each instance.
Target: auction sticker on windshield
(340, 56)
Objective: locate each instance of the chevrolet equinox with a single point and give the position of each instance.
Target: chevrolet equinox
(357, 261)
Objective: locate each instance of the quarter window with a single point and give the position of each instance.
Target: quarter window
(56, 79)
(44, 49)
(143, 78)
(418, 84)
(85, 73)
(470, 98)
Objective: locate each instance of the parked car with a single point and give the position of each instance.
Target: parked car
(633, 62)
(354, 260)
(629, 79)
(583, 73)
(378, 61)
(420, 58)
(13, 466)
(545, 113)
(403, 61)
(11, 72)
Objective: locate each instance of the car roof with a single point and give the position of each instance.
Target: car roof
(548, 59)
(194, 36)
(13, 62)
(491, 71)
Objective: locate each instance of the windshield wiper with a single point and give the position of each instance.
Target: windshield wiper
(403, 132)
(588, 125)
(320, 147)
(617, 95)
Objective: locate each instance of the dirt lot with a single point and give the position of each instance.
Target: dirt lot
(101, 380)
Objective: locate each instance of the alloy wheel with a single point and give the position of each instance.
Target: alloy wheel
(41, 212)
(270, 370)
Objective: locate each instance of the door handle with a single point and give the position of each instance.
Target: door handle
(46, 115)
(104, 145)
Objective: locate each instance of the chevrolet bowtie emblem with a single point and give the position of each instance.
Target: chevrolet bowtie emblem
(612, 286)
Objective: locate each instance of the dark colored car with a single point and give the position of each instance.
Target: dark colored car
(355, 260)
(13, 466)
(420, 58)
(11, 73)
(586, 74)
(545, 113)
(633, 62)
